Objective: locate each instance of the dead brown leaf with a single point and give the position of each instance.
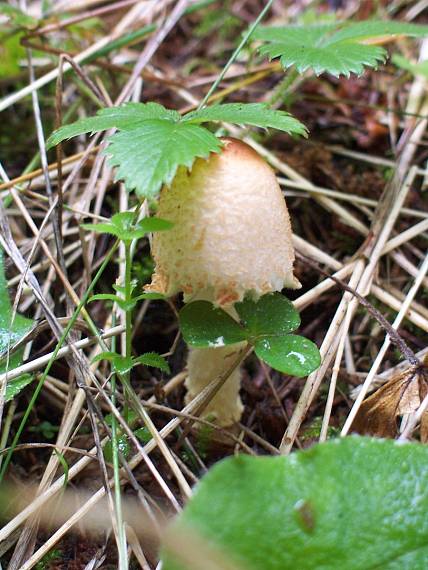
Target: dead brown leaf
(402, 394)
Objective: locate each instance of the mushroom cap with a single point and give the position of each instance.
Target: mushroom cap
(231, 233)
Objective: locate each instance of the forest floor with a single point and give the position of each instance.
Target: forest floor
(357, 193)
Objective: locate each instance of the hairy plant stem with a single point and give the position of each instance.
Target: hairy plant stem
(281, 90)
(123, 559)
(128, 322)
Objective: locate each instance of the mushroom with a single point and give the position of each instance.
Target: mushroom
(231, 238)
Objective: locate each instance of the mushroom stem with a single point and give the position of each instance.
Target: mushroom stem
(206, 364)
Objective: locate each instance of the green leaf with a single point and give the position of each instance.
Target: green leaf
(17, 16)
(15, 386)
(420, 68)
(204, 326)
(125, 116)
(292, 354)
(348, 504)
(152, 296)
(123, 444)
(143, 434)
(148, 155)
(9, 335)
(123, 227)
(272, 314)
(256, 114)
(121, 303)
(154, 360)
(121, 364)
(336, 48)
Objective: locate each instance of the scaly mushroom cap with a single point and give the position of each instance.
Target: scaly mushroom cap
(231, 233)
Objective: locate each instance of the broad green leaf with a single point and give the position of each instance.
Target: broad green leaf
(337, 48)
(292, 354)
(15, 386)
(9, 335)
(256, 114)
(272, 314)
(420, 68)
(154, 360)
(148, 155)
(125, 116)
(348, 504)
(204, 326)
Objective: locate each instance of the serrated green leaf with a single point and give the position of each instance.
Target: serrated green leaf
(121, 364)
(204, 326)
(154, 360)
(123, 227)
(291, 354)
(125, 116)
(420, 68)
(148, 156)
(370, 29)
(354, 503)
(335, 48)
(272, 314)
(256, 114)
(9, 335)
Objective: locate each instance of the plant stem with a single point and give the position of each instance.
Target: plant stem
(235, 54)
(280, 91)
(128, 321)
(123, 558)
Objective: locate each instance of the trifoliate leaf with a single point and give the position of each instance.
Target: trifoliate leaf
(9, 335)
(264, 323)
(148, 155)
(205, 326)
(272, 314)
(354, 503)
(256, 114)
(125, 116)
(338, 48)
(291, 354)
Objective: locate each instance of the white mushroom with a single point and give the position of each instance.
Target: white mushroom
(231, 238)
